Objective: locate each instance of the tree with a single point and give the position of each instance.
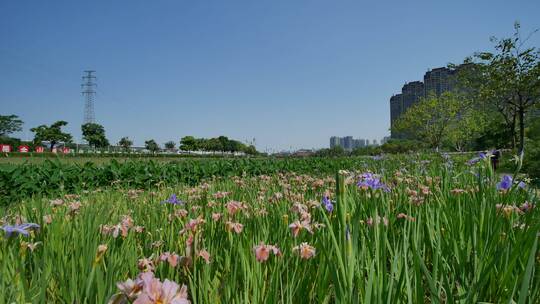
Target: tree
(151, 145)
(250, 150)
(464, 129)
(432, 118)
(188, 143)
(170, 145)
(9, 124)
(221, 143)
(125, 143)
(511, 81)
(53, 134)
(94, 134)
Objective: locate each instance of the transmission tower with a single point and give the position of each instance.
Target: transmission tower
(88, 91)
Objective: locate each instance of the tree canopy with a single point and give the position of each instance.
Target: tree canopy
(221, 143)
(94, 134)
(9, 124)
(151, 145)
(170, 145)
(435, 119)
(53, 134)
(507, 81)
(125, 143)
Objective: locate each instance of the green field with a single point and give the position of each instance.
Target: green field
(424, 229)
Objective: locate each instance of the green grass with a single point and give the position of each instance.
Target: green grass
(458, 249)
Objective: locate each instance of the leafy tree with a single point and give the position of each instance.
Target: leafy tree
(495, 134)
(170, 145)
(250, 150)
(221, 143)
(125, 143)
(225, 144)
(188, 143)
(437, 118)
(94, 134)
(151, 145)
(9, 124)
(464, 129)
(53, 134)
(510, 81)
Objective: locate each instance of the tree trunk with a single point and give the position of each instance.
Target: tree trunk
(53, 143)
(521, 131)
(513, 131)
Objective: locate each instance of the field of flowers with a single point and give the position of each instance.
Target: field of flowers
(414, 229)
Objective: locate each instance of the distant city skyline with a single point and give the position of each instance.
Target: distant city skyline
(289, 73)
(349, 143)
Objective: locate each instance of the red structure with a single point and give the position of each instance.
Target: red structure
(5, 148)
(24, 149)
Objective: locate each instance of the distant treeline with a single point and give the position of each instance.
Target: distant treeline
(221, 143)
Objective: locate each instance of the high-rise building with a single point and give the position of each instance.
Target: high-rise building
(411, 92)
(348, 143)
(334, 141)
(396, 106)
(358, 143)
(436, 81)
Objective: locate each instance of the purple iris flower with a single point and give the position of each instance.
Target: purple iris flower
(327, 204)
(522, 185)
(505, 184)
(369, 180)
(23, 229)
(473, 161)
(173, 200)
(378, 157)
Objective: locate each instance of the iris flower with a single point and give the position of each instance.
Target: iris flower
(173, 200)
(262, 252)
(371, 181)
(475, 160)
(23, 229)
(305, 251)
(154, 291)
(297, 226)
(327, 204)
(505, 184)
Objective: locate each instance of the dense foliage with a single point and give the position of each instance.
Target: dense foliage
(494, 96)
(53, 134)
(94, 134)
(53, 177)
(9, 124)
(221, 144)
(424, 230)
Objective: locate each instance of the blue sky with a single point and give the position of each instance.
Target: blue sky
(288, 73)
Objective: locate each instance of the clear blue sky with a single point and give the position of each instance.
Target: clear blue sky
(288, 73)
